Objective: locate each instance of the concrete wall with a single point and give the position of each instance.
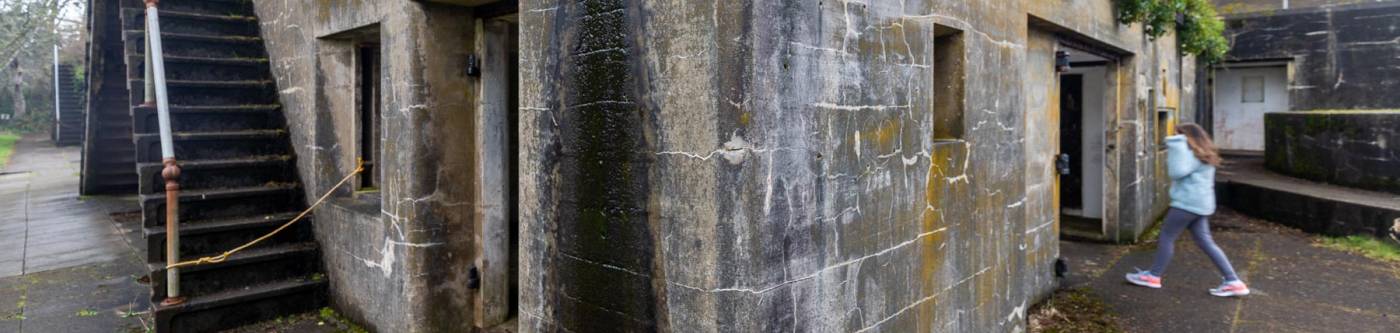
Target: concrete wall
(1310, 212)
(1354, 149)
(397, 258)
(1343, 57)
(752, 166)
(766, 166)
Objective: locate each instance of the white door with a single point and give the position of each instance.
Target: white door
(1242, 96)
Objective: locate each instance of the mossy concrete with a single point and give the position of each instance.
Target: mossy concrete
(1358, 149)
(1341, 54)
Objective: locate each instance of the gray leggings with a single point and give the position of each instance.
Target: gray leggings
(1179, 220)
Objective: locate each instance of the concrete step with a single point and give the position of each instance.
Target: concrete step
(240, 307)
(203, 69)
(238, 176)
(193, 23)
(209, 93)
(214, 145)
(188, 45)
(274, 263)
(1247, 187)
(113, 127)
(206, 238)
(114, 187)
(228, 173)
(216, 118)
(209, 7)
(224, 203)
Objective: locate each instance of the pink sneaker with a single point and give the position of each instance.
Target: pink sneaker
(1232, 288)
(1145, 279)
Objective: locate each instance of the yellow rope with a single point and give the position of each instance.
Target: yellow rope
(220, 258)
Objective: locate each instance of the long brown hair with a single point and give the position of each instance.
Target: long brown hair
(1200, 143)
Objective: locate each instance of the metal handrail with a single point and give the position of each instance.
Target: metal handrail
(156, 95)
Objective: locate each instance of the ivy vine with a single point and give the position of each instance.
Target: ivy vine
(1200, 31)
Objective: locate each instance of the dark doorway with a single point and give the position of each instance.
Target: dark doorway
(1072, 140)
(369, 78)
(1085, 100)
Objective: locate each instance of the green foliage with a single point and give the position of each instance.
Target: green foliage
(1200, 32)
(36, 120)
(7, 147)
(1364, 245)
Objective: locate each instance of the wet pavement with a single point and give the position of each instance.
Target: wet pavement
(1296, 285)
(65, 265)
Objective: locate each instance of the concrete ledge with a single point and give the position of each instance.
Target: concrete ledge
(1245, 186)
(1358, 149)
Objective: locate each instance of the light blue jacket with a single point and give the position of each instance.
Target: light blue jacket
(1193, 182)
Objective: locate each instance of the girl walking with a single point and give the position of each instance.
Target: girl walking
(1191, 162)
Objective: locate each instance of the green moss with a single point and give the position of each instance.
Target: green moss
(7, 147)
(328, 316)
(1351, 111)
(1370, 247)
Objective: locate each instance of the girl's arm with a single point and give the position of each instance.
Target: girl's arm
(1181, 162)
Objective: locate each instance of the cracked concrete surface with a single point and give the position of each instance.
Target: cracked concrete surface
(715, 166)
(46, 226)
(839, 211)
(64, 266)
(1341, 55)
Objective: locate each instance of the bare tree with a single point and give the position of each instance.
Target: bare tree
(29, 29)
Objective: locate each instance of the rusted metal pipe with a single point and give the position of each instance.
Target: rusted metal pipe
(171, 172)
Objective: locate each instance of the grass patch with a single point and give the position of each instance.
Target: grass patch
(1368, 246)
(1073, 310)
(7, 147)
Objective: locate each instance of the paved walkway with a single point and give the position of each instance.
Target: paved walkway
(64, 265)
(1297, 286)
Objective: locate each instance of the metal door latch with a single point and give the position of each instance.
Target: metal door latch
(1062, 164)
(473, 278)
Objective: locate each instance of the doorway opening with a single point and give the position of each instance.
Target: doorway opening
(1084, 101)
(1243, 92)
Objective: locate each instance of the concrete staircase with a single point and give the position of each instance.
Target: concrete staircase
(238, 176)
(68, 129)
(109, 157)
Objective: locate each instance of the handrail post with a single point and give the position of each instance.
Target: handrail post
(171, 173)
(148, 82)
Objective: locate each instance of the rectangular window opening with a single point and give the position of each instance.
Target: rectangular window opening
(368, 79)
(1164, 127)
(949, 78)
